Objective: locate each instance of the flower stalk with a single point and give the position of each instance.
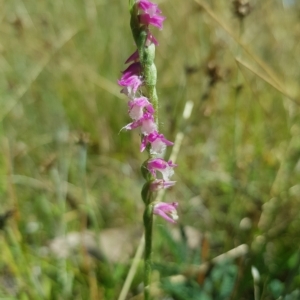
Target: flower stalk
(148, 224)
(138, 82)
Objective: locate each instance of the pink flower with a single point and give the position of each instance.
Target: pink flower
(151, 39)
(133, 69)
(149, 7)
(146, 123)
(167, 211)
(165, 168)
(131, 79)
(157, 141)
(151, 14)
(131, 85)
(136, 107)
(155, 20)
(159, 184)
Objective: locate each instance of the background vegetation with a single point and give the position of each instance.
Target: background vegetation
(69, 177)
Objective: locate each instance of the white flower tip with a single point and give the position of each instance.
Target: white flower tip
(174, 216)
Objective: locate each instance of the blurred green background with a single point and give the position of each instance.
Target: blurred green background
(71, 214)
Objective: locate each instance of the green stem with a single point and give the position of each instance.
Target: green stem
(152, 95)
(148, 222)
(150, 76)
(149, 73)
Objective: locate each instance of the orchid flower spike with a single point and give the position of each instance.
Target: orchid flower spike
(146, 123)
(137, 106)
(157, 141)
(165, 168)
(167, 211)
(131, 79)
(159, 184)
(151, 14)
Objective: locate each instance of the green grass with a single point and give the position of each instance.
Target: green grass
(65, 166)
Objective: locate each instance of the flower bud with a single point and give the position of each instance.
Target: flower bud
(147, 193)
(148, 176)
